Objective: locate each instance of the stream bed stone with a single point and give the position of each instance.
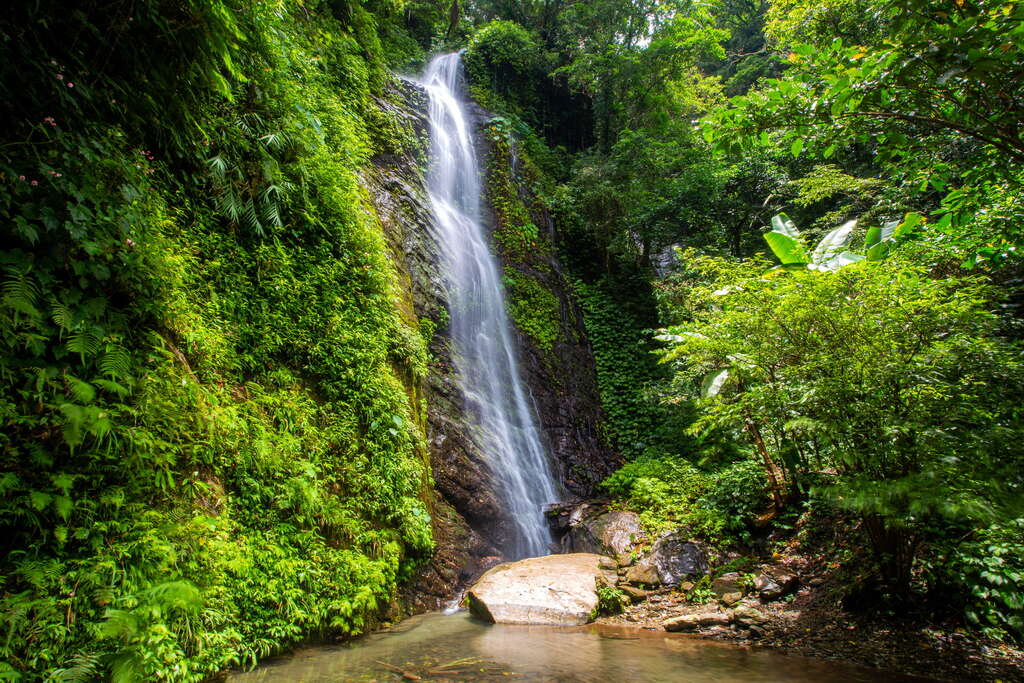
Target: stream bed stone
(559, 590)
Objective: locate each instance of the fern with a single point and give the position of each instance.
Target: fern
(62, 316)
(276, 141)
(112, 386)
(116, 362)
(81, 391)
(218, 167)
(74, 421)
(251, 217)
(230, 204)
(21, 294)
(84, 667)
(271, 212)
(84, 342)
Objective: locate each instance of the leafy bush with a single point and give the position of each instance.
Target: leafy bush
(610, 600)
(987, 572)
(738, 494)
(503, 60)
(896, 380)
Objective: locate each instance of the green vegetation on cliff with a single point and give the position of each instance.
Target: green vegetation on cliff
(208, 452)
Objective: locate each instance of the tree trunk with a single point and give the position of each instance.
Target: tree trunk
(895, 549)
(775, 477)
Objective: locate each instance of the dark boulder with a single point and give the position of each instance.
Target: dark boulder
(769, 587)
(672, 559)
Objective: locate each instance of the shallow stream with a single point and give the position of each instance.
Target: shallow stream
(454, 647)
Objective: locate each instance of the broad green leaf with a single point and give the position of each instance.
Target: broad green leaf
(873, 237)
(845, 259)
(782, 223)
(877, 252)
(831, 243)
(910, 221)
(788, 250)
(713, 383)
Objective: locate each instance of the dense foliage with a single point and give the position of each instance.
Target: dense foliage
(210, 444)
(875, 369)
(212, 429)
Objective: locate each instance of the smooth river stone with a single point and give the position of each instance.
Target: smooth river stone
(558, 590)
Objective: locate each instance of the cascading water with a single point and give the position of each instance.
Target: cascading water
(484, 351)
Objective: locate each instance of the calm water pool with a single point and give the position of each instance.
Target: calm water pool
(453, 647)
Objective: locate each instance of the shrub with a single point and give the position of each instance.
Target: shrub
(895, 380)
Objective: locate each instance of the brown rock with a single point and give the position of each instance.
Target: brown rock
(644, 574)
(748, 616)
(730, 599)
(728, 583)
(692, 622)
(635, 594)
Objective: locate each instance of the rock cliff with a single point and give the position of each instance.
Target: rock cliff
(470, 526)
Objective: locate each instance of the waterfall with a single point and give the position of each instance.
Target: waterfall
(485, 355)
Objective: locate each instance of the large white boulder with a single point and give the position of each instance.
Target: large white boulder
(556, 590)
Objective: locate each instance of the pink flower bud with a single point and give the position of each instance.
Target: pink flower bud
(34, 183)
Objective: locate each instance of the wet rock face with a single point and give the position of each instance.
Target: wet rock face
(468, 520)
(591, 528)
(612, 533)
(469, 523)
(563, 378)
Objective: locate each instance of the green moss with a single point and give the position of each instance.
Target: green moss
(516, 233)
(534, 309)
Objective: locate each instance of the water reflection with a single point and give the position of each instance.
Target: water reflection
(439, 647)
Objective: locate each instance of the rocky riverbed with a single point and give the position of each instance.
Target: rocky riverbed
(788, 601)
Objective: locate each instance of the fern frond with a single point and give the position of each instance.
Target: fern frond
(275, 141)
(116, 362)
(62, 316)
(230, 204)
(21, 294)
(251, 217)
(84, 342)
(218, 167)
(112, 386)
(82, 391)
(84, 667)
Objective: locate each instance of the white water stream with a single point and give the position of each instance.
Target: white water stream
(485, 354)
